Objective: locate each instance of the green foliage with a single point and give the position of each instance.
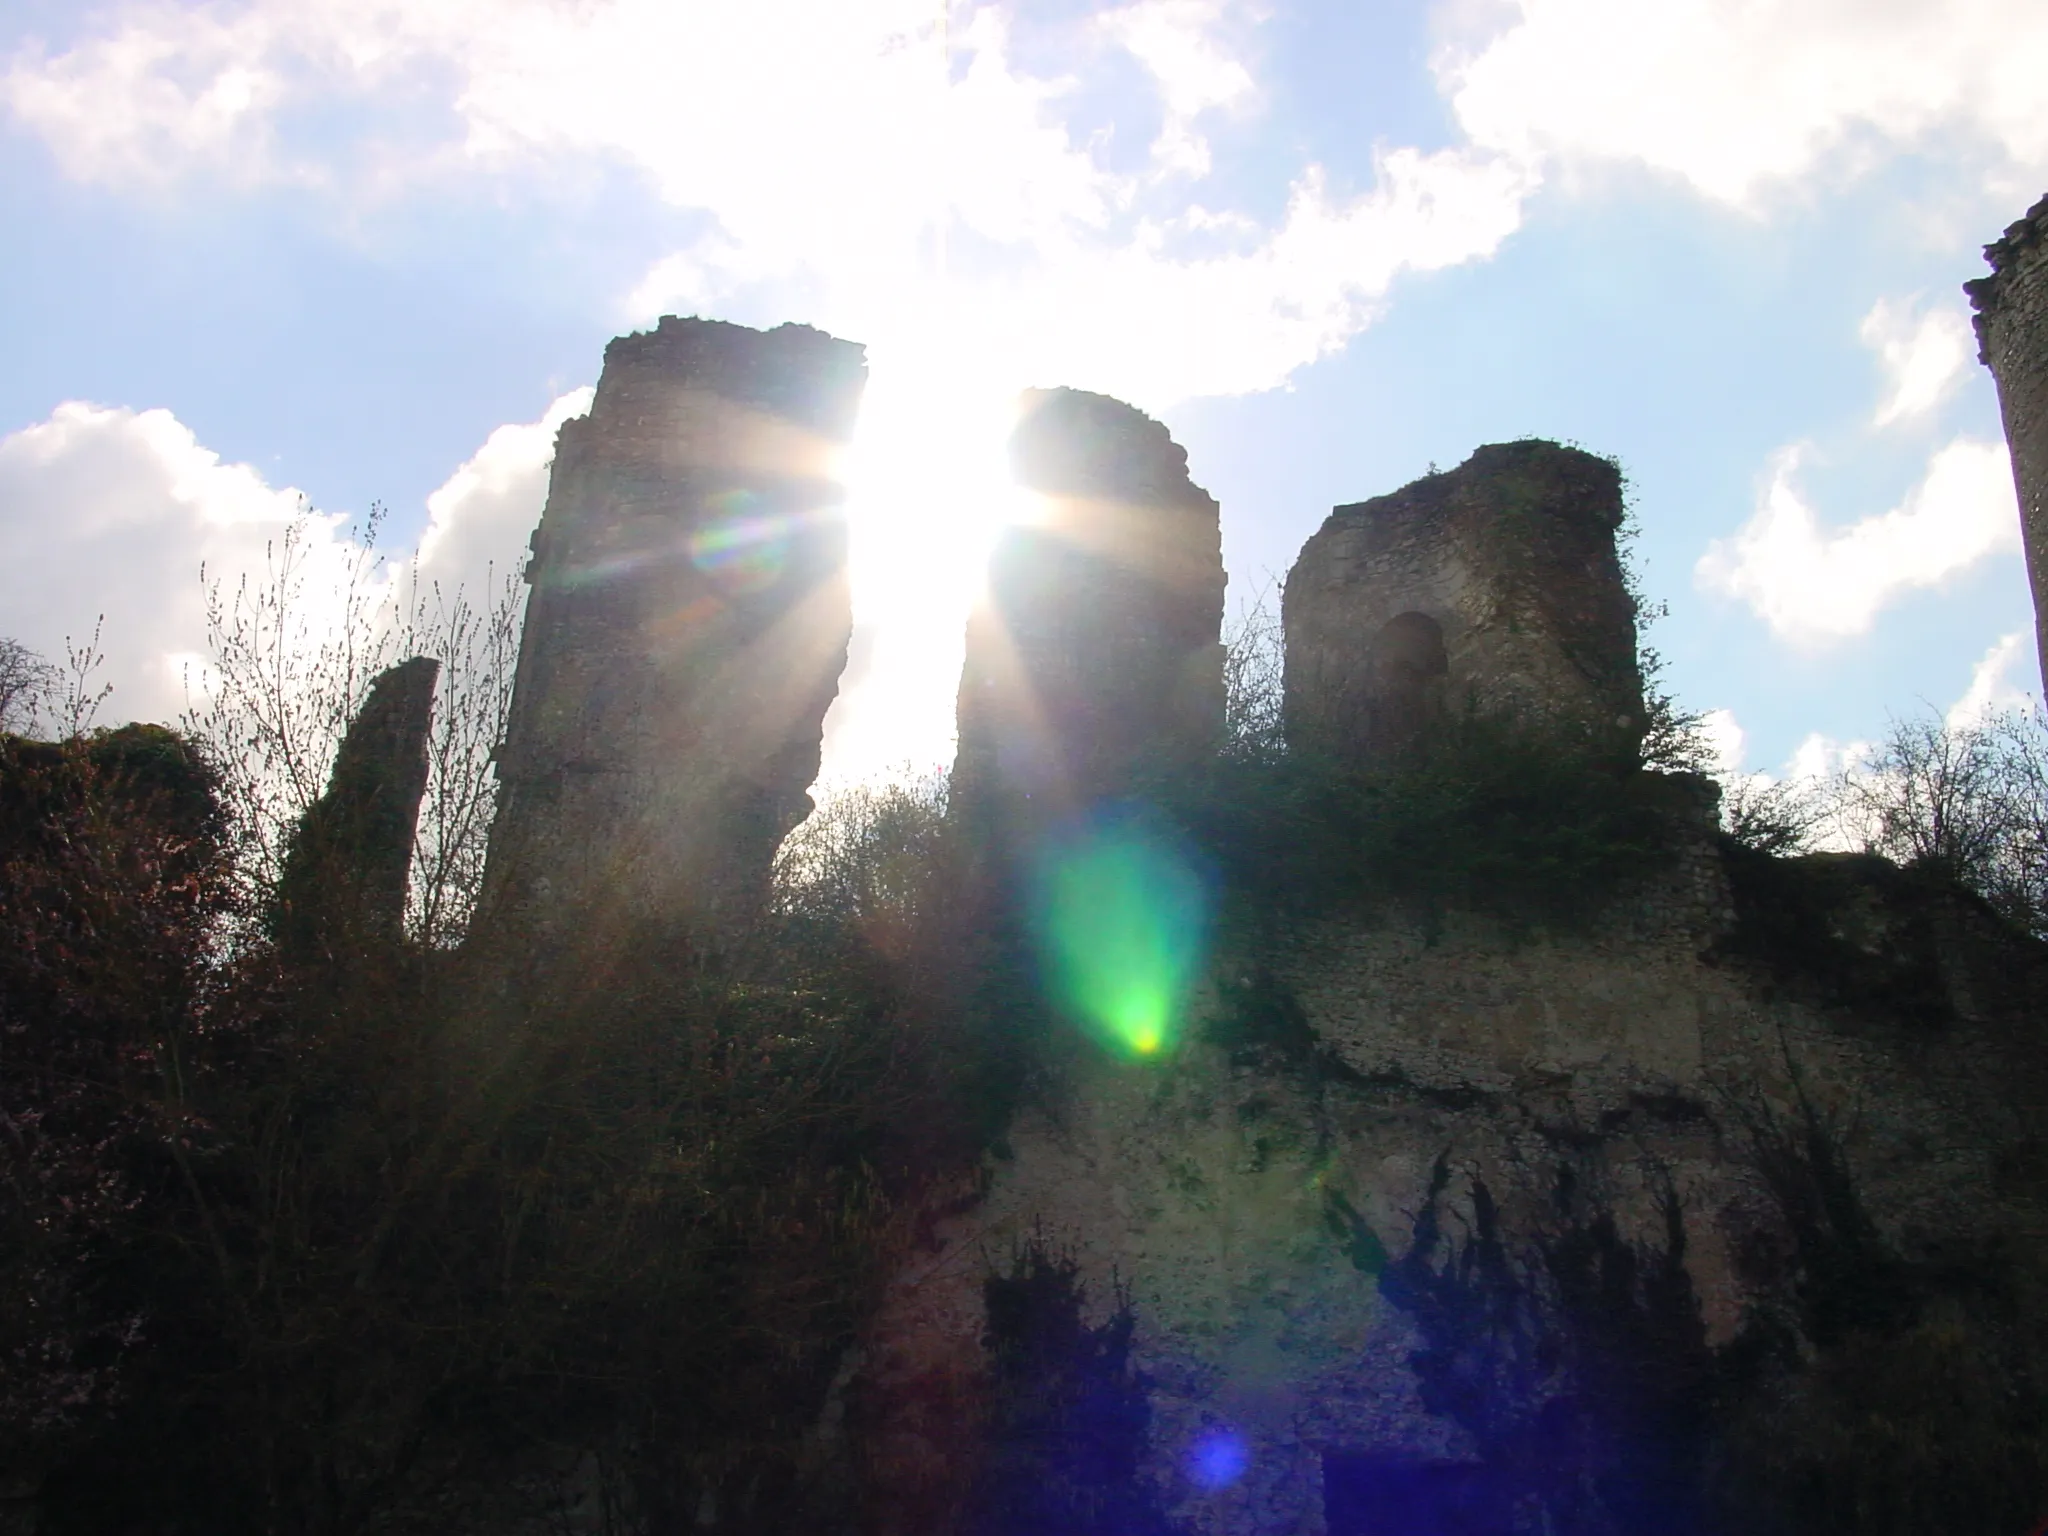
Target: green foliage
(1488, 814)
(1771, 818)
(1918, 1405)
(313, 1244)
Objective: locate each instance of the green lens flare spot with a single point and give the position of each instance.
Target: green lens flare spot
(1121, 916)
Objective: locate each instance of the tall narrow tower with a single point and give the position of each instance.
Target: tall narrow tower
(689, 621)
(1097, 645)
(2012, 336)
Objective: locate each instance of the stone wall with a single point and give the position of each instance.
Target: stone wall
(1098, 643)
(1248, 1193)
(1248, 1188)
(2012, 337)
(689, 620)
(1495, 586)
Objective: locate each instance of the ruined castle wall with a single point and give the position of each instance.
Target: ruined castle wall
(689, 620)
(1220, 1184)
(2012, 337)
(1494, 586)
(1098, 643)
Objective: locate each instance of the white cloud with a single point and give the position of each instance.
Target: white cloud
(1726, 739)
(1819, 757)
(1813, 584)
(1734, 96)
(113, 511)
(932, 201)
(1993, 686)
(168, 87)
(479, 520)
(1177, 43)
(1923, 353)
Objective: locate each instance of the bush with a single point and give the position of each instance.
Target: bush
(1577, 1365)
(1069, 1410)
(1487, 814)
(300, 1246)
(1966, 801)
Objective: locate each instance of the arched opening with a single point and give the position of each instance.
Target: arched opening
(1408, 664)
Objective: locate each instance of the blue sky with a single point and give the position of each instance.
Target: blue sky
(361, 250)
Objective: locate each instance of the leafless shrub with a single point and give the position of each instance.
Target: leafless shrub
(36, 695)
(26, 681)
(1253, 662)
(1780, 816)
(1968, 800)
(290, 660)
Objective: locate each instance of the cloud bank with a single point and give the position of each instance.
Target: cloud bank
(1813, 584)
(114, 512)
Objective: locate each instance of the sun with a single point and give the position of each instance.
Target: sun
(928, 491)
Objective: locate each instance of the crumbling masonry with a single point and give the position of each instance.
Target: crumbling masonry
(2012, 337)
(1097, 647)
(345, 871)
(689, 620)
(688, 624)
(1495, 586)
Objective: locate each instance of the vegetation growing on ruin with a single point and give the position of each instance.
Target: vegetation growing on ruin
(1870, 1392)
(301, 1246)
(298, 1246)
(1069, 1408)
(1500, 815)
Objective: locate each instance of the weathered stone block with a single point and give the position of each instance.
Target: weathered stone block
(345, 871)
(689, 621)
(2012, 337)
(1495, 586)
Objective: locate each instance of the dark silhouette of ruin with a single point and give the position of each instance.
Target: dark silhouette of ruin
(345, 870)
(1098, 644)
(688, 625)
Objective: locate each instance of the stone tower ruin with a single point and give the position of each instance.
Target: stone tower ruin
(345, 869)
(2012, 337)
(1098, 644)
(689, 621)
(1494, 587)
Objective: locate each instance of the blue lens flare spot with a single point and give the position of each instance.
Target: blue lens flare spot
(1121, 913)
(1218, 1458)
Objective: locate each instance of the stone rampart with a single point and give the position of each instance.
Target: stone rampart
(1248, 1192)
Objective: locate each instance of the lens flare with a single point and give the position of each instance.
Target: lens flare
(1217, 1459)
(738, 546)
(1121, 914)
